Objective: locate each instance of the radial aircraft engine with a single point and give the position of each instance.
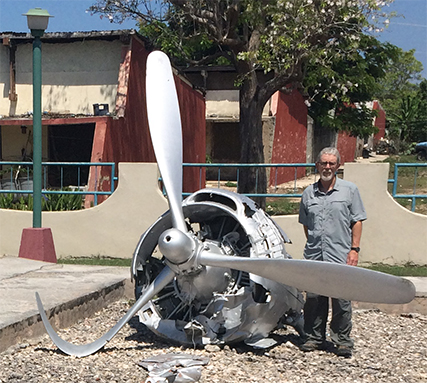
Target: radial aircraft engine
(214, 269)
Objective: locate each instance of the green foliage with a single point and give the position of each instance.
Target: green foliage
(407, 270)
(404, 119)
(6, 201)
(403, 95)
(353, 81)
(400, 80)
(282, 206)
(62, 202)
(50, 202)
(96, 260)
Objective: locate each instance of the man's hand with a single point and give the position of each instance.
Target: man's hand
(352, 258)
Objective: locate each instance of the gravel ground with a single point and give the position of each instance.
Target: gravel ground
(388, 348)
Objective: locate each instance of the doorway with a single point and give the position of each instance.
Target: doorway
(69, 143)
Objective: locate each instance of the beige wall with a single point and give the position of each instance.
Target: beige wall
(74, 76)
(14, 141)
(225, 104)
(109, 229)
(391, 235)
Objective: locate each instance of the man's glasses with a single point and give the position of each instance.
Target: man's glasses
(325, 163)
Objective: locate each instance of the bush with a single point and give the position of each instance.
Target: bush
(50, 202)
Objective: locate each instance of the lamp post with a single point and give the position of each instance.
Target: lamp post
(37, 242)
(37, 20)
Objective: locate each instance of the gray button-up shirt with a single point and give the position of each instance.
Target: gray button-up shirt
(329, 217)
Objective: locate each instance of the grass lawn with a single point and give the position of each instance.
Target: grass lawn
(408, 270)
(282, 206)
(99, 261)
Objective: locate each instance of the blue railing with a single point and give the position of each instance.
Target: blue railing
(20, 172)
(413, 196)
(238, 167)
(19, 180)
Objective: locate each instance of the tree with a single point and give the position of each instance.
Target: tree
(348, 98)
(279, 37)
(401, 79)
(408, 122)
(420, 131)
(402, 93)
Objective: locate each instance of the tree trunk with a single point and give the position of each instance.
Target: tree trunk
(252, 180)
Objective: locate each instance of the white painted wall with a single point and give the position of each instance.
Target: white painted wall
(391, 235)
(74, 77)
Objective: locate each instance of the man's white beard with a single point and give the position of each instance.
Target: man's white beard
(326, 177)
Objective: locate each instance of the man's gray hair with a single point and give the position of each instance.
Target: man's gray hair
(330, 150)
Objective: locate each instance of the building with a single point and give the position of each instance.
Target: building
(93, 102)
(284, 123)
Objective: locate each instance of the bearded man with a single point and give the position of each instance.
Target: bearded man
(331, 212)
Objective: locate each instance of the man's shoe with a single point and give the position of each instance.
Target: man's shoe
(311, 346)
(344, 351)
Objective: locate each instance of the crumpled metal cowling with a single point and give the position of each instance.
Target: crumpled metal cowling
(211, 305)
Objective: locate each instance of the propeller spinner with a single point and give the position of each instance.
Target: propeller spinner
(204, 268)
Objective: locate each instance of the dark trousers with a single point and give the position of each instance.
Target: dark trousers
(316, 315)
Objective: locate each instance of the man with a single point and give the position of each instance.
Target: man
(332, 212)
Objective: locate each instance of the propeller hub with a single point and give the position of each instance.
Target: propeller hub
(176, 246)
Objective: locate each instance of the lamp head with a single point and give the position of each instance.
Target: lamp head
(37, 20)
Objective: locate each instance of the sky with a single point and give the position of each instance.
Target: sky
(409, 31)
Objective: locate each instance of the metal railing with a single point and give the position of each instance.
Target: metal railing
(19, 172)
(394, 181)
(16, 178)
(273, 168)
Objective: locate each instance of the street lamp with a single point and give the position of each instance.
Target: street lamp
(37, 20)
(37, 242)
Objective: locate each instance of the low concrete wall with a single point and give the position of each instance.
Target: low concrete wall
(391, 235)
(109, 229)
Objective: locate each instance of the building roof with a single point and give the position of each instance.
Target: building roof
(66, 37)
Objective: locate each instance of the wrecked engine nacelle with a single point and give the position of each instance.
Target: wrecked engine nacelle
(218, 305)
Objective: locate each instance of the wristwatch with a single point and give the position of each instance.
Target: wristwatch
(356, 249)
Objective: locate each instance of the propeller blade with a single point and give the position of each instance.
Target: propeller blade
(164, 121)
(162, 280)
(324, 278)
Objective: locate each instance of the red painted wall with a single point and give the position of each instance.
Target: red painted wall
(193, 120)
(380, 122)
(127, 139)
(290, 136)
(346, 145)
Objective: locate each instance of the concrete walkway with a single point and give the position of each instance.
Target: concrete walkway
(72, 292)
(68, 292)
